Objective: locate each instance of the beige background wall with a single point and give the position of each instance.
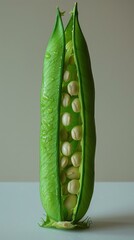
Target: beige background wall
(25, 26)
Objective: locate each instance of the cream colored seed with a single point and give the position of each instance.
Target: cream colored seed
(76, 159)
(73, 88)
(65, 100)
(73, 186)
(66, 149)
(66, 76)
(76, 105)
(73, 173)
(70, 202)
(66, 119)
(64, 162)
(63, 135)
(76, 133)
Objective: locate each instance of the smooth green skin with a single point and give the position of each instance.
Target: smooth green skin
(49, 127)
(50, 121)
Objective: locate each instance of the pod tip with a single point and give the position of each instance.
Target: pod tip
(61, 13)
(57, 9)
(76, 8)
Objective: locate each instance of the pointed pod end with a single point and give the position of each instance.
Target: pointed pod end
(60, 13)
(75, 10)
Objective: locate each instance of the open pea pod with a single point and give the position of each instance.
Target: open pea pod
(67, 127)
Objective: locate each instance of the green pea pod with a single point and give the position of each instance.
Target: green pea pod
(67, 128)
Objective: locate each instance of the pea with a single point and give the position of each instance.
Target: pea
(67, 127)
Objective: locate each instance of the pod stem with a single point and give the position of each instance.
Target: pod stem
(65, 225)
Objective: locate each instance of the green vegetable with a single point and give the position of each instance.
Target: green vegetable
(67, 128)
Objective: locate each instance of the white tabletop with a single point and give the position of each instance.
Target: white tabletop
(111, 211)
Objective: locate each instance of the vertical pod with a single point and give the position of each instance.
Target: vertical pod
(67, 127)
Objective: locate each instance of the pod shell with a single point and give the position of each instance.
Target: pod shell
(88, 100)
(50, 100)
(49, 122)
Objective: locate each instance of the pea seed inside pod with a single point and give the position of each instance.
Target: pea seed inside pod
(65, 100)
(64, 162)
(73, 186)
(66, 76)
(76, 133)
(76, 105)
(73, 88)
(73, 173)
(66, 119)
(66, 148)
(70, 202)
(76, 159)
